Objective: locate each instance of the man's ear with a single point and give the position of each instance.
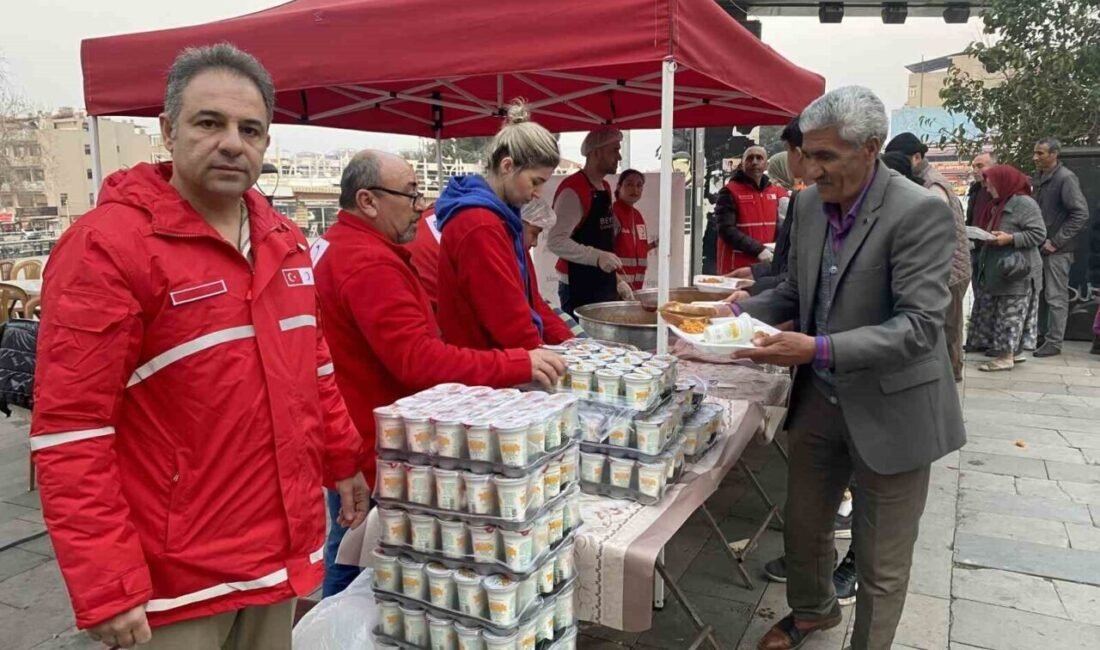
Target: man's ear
(167, 131)
(365, 202)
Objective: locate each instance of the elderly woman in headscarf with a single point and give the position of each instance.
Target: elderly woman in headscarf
(1004, 319)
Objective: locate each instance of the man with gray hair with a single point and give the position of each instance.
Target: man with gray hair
(1065, 212)
(874, 399)
(187, 414)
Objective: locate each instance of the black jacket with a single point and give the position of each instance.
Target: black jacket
(18, 343)
(769, 274)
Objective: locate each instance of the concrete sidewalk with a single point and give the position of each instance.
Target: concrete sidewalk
(1008, 557)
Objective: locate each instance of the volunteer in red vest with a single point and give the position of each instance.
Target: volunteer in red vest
(488, 294)
(379, 321)
(632, 242)
(424, 251)
(747, 213)
(186, 413)
(584, 235)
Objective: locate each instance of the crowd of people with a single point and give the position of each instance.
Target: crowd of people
(203, 371)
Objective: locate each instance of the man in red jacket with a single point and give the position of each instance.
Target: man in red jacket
(747, 213)
(385, 339)
(186, 414)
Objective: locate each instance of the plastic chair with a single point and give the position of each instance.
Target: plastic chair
(31, 270)
(32, 308)
(13, 302)
(5, 269)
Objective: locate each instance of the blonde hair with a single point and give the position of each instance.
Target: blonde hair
(527, 143)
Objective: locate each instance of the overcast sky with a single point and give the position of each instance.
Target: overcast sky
(40, 43)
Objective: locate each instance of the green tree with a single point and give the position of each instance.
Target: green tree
(469, 150)
(1045, 59)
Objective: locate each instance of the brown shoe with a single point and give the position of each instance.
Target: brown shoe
(789, 634)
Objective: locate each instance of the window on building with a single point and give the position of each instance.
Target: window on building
(64, 199)
(87, 150)
(91, 198)
(39, 175)
(89, 172)
(912, 92)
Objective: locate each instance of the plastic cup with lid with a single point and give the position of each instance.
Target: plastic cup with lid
(592, 467)
(387, 572)
(555, 425)
(390, 427)
(691, 439)
(547, 572)
(569, 467)
(518, 548)
(557, 523)
(480, 442)
(536, 434)
(511, 497)
(581, 377)
(565, 565)
(652, 477)
(551, 479)
(569, 404)
(425, 531)
(448, 489)
(395, 526)
(572, 517)
(546, 619)
(496, 642)
(418, 484)
(592, 425)
(512, 441)
(536, 488)
(441, 633)
(415, 623)
(414, 583)
(647, 434)
(540, 535)
(449, 440)
(564, 616)
(418, 432)
(480, 494)
(618, 430)
(391, 479)
(441, 585)
(528, 591)
(486, 543)
(609, 384)
(639, 390)
(469, 638)
(528, 633)
(452, 536)
(471, 598)
(622, 471)
(500, 592)
(391, 619)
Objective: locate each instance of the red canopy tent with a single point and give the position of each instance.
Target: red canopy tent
(448, 69)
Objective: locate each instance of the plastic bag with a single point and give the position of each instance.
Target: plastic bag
(341, 622)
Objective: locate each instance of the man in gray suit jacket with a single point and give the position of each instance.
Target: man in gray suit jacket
(874, 398)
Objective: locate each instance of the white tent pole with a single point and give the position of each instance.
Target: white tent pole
(97, 165)
(439, 160)
(664, 247)
(626, 150)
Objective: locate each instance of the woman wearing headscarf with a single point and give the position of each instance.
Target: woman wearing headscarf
(1004, 319)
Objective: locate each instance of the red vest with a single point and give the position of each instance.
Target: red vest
(631, 244)
(757, 215)
(579, 184)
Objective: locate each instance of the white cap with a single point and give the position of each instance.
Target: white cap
(600, 137)
(538, 213)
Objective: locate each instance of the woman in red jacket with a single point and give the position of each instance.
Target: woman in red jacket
(632, 243)
(488, 296)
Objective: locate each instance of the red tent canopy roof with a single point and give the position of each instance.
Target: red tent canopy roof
(385, 65)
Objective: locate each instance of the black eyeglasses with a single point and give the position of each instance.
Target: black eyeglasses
(415, 197)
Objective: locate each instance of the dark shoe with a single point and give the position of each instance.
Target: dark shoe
(789, 634)
(845, 580)
(1048, 350)
(842, 526)
(1095, 349)
(974, 348)
(991, 353)
(776, 570)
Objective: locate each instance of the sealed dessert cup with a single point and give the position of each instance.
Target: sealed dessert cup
(395, 526)
(391, 479)
(618, 431)
(555, 425)
(557, 523)
(572, 515)
(418, 484)
(480, 494)
(622, 471)
(540, 535)
(441, 585)
(528, 634)
(486, 543)
(469, 638)
(449, 439)
(441, 634)
(536, 488)
(390, 427)
(392, 622)
(609, 385)
(528, 591)
(546, 619)
(452, 536)
(512, 442)
(581, 377)
(518, 548)
(536, 434)
(551, 479)
(592, 467)
(448, 489)
(565, 566)
(480, 442)
(495, 642)
(511, 497)
(471, 598)
(500, 593)
(639, 389)
(418, 432)
(415, 624)
(569, 461)
(647, 434)
(564, 616)
(414, 584)
(652, 477)
(387, 572)
(423, 533)
(547, 572)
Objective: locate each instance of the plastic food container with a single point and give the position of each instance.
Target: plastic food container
(418, 484)
(452, 536)
(546, 619)
(639, 389)
(448, 489)
(609, 384)
(480, 495)
(391, 480)
(494, 642)
(469, 638)
(390, 427)
(547, 573)
(471, 598)
(540, 535)
(536, 434)
(518, 548)
(563, 609)
(441, 585)
(415, 623)
(424, 530)
(565, 566)
(536, 488)
(418, 432)
(652, 477)
(511, 497)
(395, 526)
(414, 583)
(486, 543)
(581, 376)
(569, 467)
(480, 442)
(391, 619)
(592, 467)
(387, 572)
(622, 471)
(551, 479)
(500, 592)
(441, 634)
(528, 634)
(512, 442)
(450, 438)
(528, 591)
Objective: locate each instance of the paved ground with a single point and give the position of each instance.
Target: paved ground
(1008, 557)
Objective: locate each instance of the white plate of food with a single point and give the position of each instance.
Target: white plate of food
(721, 335)
(720, 284)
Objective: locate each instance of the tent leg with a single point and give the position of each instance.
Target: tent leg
(664, 230)
(97, 165)
(698, 221)
(439, 160)
(626, 150)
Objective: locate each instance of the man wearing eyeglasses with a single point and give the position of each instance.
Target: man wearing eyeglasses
(379, 321)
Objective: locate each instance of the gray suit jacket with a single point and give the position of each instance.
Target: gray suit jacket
(893, 377)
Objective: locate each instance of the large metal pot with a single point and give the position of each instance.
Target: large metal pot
(624, 322)
(648, 297)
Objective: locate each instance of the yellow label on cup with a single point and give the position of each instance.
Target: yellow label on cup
(511, 552)
(618, 437)
(642, 395)
(444, 442)
(437, 592)
(391, 619)
(622, 475)
(384, 575)
(411, 582)
(555, 524)
(648, 482)
(393, 434)
(484, 547)
(553, 479)
(422, 438)
(528, 642)
(498, 607)
(392, 481)
(477, 445)
(509, 448)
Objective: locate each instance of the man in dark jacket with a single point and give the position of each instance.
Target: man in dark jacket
(1065, 212)
(977, 198)
(747, 214)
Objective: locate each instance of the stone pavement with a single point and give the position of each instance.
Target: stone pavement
(1008, 556)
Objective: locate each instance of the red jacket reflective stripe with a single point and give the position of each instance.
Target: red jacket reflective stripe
(632, 243)
(482, 301)
(185, 409)
(384, 335)
(757, 216)
(580, 185)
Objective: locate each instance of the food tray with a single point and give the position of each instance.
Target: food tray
(615, 451)
(478, 466)
(709, 418)
(565, 639)
(482, 568)
(720, 284)
(633, 490)
(483, 520)
(632, 493)
(719, 349)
